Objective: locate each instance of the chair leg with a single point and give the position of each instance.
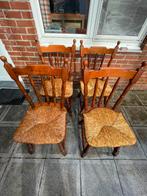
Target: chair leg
(115, 151)
(62, 147)
(31, 148)
(105, 99)
(85, 150)
(69, 101)
(81, 101)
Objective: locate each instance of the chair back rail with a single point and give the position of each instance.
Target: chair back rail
(57, 53)
(96, 55)
(42, 71)
(130, 76)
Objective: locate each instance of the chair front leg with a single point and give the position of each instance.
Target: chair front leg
(115, 151)
(62, 147)
(85, 148)
(31, 148)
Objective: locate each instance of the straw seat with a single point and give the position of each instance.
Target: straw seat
(42, 125)
(58, 88)
(91, 85)
(107, 128)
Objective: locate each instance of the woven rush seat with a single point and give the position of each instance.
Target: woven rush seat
(42, 125)
(58, 86)
(91, 85)
(107, 128)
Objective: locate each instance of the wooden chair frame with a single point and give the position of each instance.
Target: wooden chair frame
(40, 70)
(95, 56)
(97, 51)
(56, 55)
(131, 75)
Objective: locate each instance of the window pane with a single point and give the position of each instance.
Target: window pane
(122, 17)
(65, 16)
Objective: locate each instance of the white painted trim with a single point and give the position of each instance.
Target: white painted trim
(91, 38)
(4, 76)
(143, 32)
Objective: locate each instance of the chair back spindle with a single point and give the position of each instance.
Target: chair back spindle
(42, 71)
(96, 55)
(112, 76)
(56, 55)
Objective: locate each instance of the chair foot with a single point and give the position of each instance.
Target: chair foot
(115, 151)
(62, 148)
(31, 148)
(85, 150)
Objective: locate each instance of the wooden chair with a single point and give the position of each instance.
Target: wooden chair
(102, 125)
(55, 55)
(95, 57)
(44, 122)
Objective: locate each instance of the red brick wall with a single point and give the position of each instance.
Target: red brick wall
(18, 32)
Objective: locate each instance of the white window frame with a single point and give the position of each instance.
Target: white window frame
(128, 43)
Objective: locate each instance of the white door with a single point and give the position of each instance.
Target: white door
(3, 52)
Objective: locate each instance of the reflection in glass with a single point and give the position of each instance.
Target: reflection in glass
(65, 16)
(122, 17)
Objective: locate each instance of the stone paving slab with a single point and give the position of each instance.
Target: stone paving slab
(99, 177)
(16, 113)
(3, 111)
(21, 151)
(22, 177)
(6, 142)
(137, 115)
(3, 165)
(133, 177)
(131, 152)
(142, 95)
(141, 133)
(61, 177)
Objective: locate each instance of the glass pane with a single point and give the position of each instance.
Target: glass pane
(65, 16)
(122, 17)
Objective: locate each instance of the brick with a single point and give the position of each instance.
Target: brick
(22, 58)
(4, 5)
(1, 14)
(10, 43)
(28, 37)
(25, 23)
(132, 57)
(31, 30)
(12, 14)
(18, 30)
(7, 23)
(8, 48)
(19, 48)
(31, 49)
(23, 43)
(27, 53)
(5, 30)
(33, 43)
(13, 36)
(20, 5)
(119, 56)
(15, 53)
(16, 63)
(34, 58)
(27, 15)
(2, 36)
